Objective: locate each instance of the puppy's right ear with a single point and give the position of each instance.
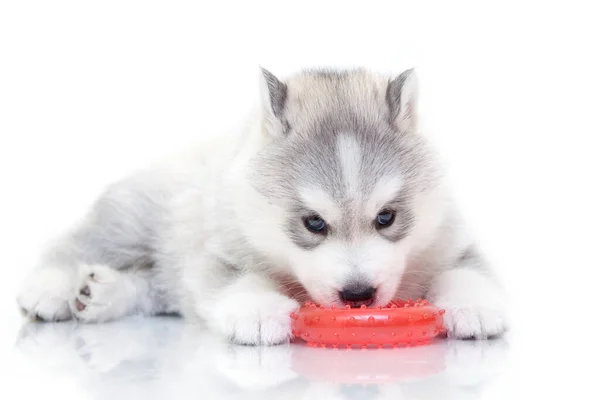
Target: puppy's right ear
(273, 94)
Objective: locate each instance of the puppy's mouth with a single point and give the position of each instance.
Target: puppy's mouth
(359, 303)
(358, 295)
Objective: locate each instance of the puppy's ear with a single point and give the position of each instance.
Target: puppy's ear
(273, 97)
(401, 97)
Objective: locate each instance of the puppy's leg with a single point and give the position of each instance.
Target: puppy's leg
(251, 311)
(119, 233)
(473, 299)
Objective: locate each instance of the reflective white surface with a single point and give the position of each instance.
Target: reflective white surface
(158, 358)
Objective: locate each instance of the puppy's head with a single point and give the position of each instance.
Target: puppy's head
(348, 181)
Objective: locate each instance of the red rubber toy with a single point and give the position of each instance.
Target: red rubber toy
(401, 322)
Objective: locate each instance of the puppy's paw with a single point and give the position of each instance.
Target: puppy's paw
(474, 304)
(45, 294)
(255, 318)
(474, 322)
(101, 294)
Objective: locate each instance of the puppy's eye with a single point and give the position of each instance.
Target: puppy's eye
(315, 224)
(385, 218)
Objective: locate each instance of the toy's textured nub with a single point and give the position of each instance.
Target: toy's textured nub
(401, 322)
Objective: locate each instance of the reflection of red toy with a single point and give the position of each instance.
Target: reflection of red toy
(399, 323)
(370, 366)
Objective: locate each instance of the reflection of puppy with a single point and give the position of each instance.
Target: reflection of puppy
(165, 356)
(330, 193)
(100, 348)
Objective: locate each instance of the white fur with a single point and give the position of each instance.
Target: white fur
(349, 154)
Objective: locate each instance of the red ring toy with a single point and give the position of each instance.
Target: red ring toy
(401, 322)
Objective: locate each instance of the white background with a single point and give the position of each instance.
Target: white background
(90, 91)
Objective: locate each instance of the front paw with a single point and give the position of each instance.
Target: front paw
(473, 321)
(255, 319)
(474, 304)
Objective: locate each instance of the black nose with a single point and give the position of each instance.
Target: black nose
(358, 294)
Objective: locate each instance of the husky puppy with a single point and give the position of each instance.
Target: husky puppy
(329, 193)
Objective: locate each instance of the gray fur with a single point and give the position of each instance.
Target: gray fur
(394, 94)
(123, 230)
(277, 93)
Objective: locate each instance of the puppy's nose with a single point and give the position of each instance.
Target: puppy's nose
(358, 295)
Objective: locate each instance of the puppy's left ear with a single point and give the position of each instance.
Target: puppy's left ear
(401, 97)
(273, 94)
